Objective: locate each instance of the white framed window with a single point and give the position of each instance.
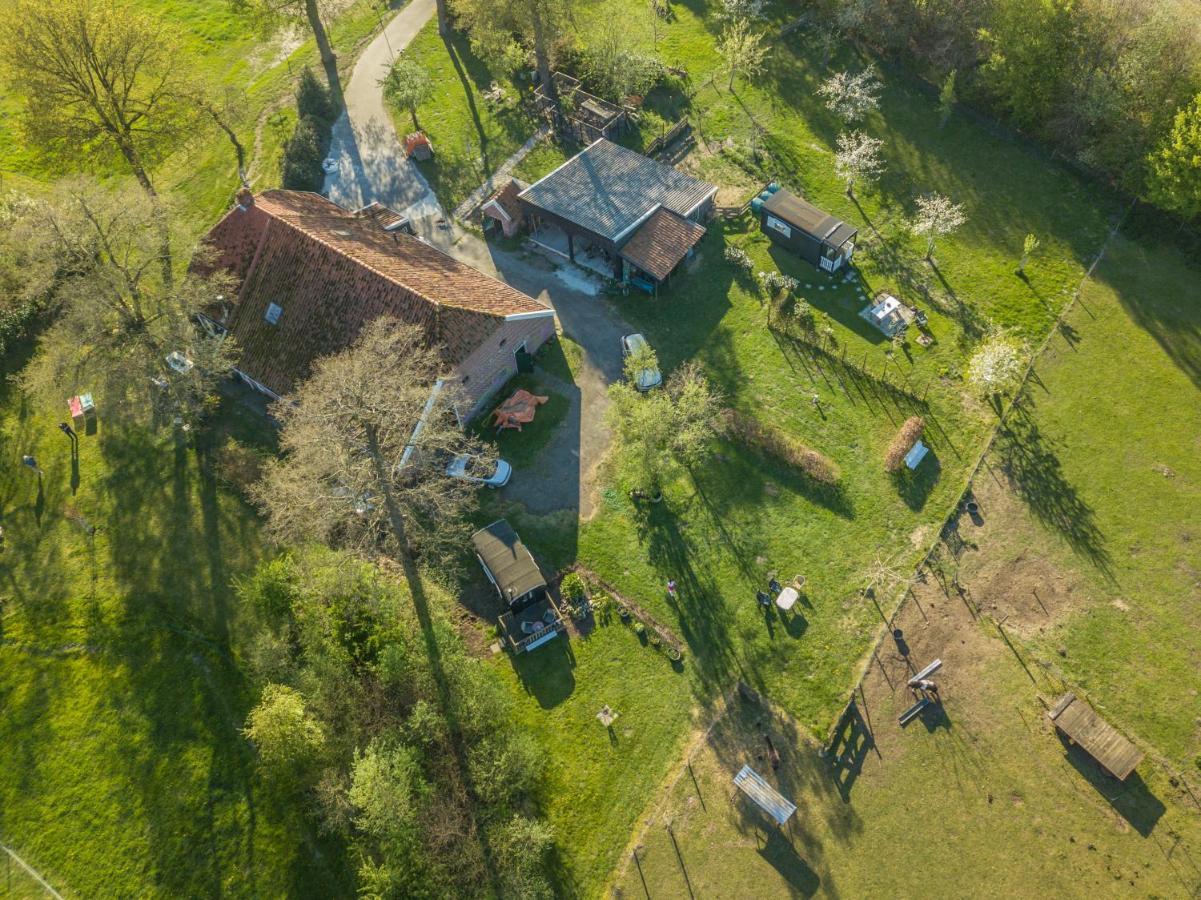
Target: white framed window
(776, 224)
(271, 317)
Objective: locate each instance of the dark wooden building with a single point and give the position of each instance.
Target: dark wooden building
(815, 236)
(620, 213)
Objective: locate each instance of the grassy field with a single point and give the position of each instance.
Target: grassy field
(597, 781)
(225, 52)
(121, 687)
(472, 136)
(721, 531)
(1069, 556)
(1103, 521)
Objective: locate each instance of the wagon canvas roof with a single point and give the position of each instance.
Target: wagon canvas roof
(506, 557)
(807, 217)
(608, 190)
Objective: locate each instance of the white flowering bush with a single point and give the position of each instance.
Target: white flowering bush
(997, 364)
(738, 258)
(742, 9)
(777, 283)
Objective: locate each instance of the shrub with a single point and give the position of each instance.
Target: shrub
(776, 283)
(313, 99)
(303, 156)
(238, 466)
(738, 258)
(903, 443)
(306, 148)
(803, 313)
(773, 442)
(572, 586)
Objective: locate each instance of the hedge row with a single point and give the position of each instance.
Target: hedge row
(306, 149)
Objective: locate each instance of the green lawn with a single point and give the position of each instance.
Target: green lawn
(226, 53)
(596, 783)
(471, 135)
(121, 690)
(521, 447)
(1091, 566)
(1106, 463)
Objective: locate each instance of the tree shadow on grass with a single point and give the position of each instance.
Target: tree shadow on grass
(698, 605)
(1029, 460)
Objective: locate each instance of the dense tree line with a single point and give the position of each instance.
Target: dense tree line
(1112, 84)
(351, 720)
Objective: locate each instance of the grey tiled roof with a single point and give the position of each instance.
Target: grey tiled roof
(607, 189)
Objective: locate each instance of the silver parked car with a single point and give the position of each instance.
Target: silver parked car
(470, 468)
(647, 378)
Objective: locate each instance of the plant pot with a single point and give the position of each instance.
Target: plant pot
(674, 655)
(624, 613)
(658, 498)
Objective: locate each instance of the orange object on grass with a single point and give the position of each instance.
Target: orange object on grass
(518, 410)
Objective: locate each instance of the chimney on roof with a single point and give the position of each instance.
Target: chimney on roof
(245, 198)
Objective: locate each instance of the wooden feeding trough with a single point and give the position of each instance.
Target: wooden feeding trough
(1080, 724)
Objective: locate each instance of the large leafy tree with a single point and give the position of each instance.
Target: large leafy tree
(495, 25)
(365, 445)
(1174, 181)
(1033, 49)
(94, 78)
(663, 431)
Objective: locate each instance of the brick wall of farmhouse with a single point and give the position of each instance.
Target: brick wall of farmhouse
(487, 369)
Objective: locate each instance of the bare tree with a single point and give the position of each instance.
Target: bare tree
(852, 96)
(858, 159)
(366, 441)
(937, 216)
(121, 331)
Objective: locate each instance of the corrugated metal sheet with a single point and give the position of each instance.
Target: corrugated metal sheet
(765, 796)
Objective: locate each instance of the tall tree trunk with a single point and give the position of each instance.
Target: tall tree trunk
(239, 150)
(443, 21)
(323, 46)
(433, 652)
(130, 152)
(542, 59)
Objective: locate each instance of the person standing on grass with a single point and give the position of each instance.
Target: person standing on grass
(68, 431)
(671, 588)
(31, 463)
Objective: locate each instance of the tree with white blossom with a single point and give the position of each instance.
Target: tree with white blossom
(852, 96)
(996, 365)
(936, 217)
(858, 159)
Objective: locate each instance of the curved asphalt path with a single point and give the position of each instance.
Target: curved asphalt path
(371, 160)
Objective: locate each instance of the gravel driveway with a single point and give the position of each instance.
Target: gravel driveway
(566, 470)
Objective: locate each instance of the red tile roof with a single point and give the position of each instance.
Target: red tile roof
(331, 273)
(661, 242)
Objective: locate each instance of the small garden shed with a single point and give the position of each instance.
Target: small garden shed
(531, 617)
(815, 236)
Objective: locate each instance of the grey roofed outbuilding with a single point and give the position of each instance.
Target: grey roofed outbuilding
(608, 190)
(795, 211)
(508, 561)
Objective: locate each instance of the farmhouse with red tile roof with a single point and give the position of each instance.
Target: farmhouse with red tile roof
(312, 274)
